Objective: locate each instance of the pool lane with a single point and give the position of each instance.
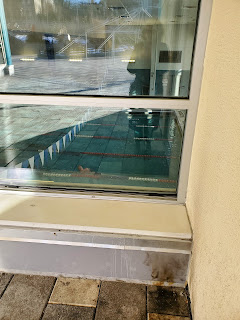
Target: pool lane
(121, 149)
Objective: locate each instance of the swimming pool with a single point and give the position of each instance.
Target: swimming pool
(136, 150)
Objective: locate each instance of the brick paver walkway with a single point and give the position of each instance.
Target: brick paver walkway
(28, 297)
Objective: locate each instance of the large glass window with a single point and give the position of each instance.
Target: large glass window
(101, 47)
(114, 72)
(121, 149)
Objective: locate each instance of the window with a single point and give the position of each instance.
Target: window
(134, 149)
(122, 84)
(111, 48)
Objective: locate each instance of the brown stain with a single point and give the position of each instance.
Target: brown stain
(159, 283)
(165, 268)
(66, 284)
(162, 283)
(162, 269)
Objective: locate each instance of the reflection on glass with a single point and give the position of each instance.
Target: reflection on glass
(1, 59)
(2, 53)
(91, 148)
(140, 63)
(101, 47)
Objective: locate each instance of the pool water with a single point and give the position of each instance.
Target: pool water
(126, 150)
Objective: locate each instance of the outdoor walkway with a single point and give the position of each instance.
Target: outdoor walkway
(93, 76)
(27, 297)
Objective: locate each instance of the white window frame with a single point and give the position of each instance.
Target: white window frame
(191, 104)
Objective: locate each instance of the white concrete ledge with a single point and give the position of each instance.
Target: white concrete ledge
(94, 215)
(122, 238)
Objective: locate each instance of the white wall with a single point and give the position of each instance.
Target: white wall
(213, 199)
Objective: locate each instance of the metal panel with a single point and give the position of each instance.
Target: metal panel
(104, 102)
(128, 259)
(97, 240)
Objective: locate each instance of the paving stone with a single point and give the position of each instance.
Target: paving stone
(4, 280)
(25, 297)
(76, 292)
(167, 300)
(120, 301)
(65, 312)
(155, 316)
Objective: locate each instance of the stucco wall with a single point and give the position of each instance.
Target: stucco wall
(213, 199)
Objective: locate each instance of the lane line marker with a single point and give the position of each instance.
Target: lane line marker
(116, 138)
(126, 155)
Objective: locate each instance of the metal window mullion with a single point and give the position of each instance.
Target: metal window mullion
(101, 102)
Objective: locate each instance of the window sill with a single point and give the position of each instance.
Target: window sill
(26, 209)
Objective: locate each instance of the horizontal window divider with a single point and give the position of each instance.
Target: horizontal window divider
(101, 102)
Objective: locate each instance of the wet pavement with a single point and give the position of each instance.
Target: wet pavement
(28, 297)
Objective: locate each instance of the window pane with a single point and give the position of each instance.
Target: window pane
(101, 47)
(91, 148)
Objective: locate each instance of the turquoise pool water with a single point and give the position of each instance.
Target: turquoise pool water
(131, 150)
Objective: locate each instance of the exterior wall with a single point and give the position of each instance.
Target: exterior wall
(213, 198)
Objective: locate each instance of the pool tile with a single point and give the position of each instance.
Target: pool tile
(75, 292)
